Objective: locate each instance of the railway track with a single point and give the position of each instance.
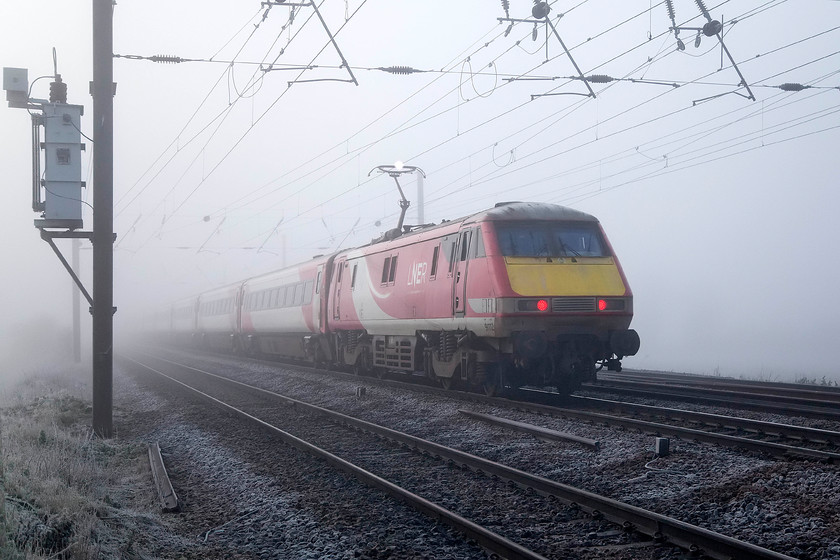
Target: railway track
(431, 459)
(815, 392)
(766, 438)
(560, 408)
(825, 408)
(797, 435)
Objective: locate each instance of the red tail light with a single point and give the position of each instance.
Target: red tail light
(540, 305)
(612, 304)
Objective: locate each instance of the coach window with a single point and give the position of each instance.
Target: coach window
(386, 268)
(452, 247)
(435, 255)
(298, 294)
(353, 278)
(307, 292)
(318, 283)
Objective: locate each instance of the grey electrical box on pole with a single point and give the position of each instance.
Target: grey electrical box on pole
(63, 166)
(58, 195)
(16, 84)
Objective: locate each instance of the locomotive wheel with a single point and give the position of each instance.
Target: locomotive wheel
(492, 383)
(447, 383)
(363, 365)
(491, 388)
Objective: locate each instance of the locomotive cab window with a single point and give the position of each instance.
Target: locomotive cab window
(435, 255)
(478, 244)
(579, 239)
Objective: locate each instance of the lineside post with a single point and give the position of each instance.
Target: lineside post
(77, 335)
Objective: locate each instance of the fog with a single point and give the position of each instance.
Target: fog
(721, 209)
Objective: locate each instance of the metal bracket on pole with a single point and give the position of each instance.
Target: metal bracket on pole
(540, 13)
(314, 6)
(48, 237)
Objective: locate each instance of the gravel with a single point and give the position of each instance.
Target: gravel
(243, 500)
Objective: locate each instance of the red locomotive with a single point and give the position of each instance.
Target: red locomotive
(520, 294)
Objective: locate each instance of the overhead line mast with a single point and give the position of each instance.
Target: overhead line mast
(103, 216)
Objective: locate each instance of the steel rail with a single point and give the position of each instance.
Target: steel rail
(489, 540)
(659, 527)
(774, 386)
(802, 433)
(536, 431)
(776, 394)
(830, 412)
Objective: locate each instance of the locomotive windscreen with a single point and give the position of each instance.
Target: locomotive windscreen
(550, 240)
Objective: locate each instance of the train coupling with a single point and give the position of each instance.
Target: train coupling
(614, 364)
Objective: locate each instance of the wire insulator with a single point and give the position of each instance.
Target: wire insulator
(58, 90)
(399, 69)
(166, 59)
(669, 4)
(703, 9)
(599, 79)
(506, 7)
(792, 87)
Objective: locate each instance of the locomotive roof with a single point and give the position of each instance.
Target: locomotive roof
(504, 211)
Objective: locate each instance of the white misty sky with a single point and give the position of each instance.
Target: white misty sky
(722, 212)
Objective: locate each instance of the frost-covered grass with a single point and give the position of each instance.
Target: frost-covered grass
(62, 485)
